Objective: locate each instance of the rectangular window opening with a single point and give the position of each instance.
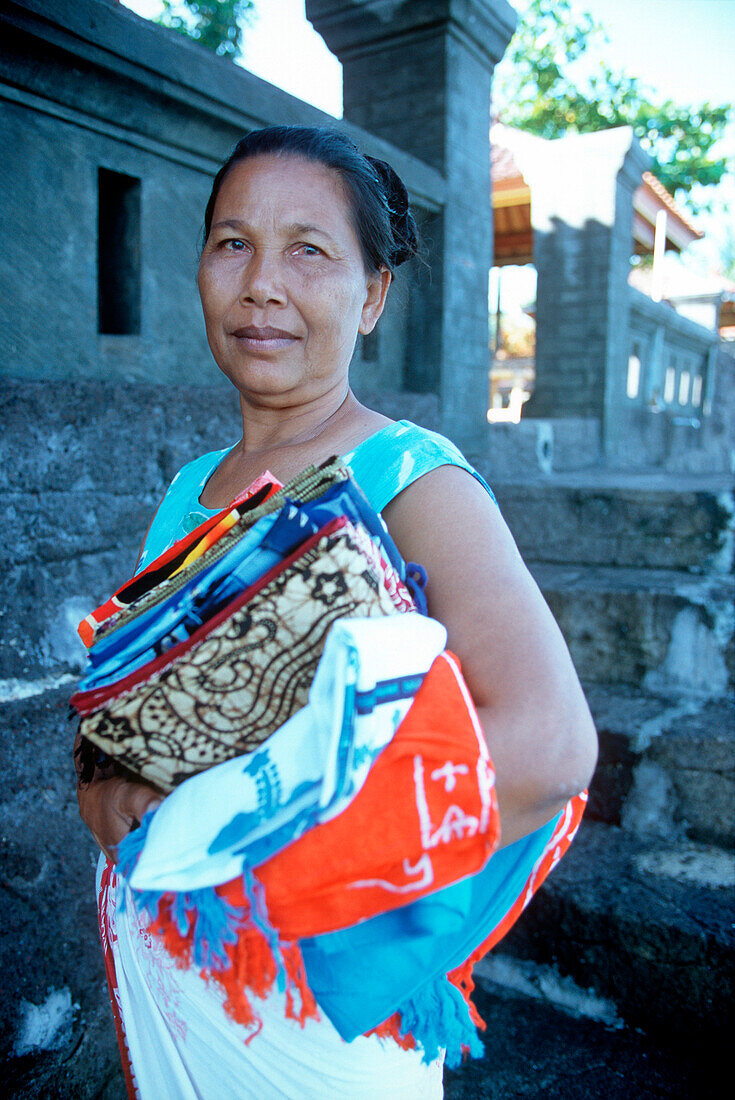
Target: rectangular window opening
(669, 385)
(684, 387)
(697, 390)
(634, 376)
(118, 254)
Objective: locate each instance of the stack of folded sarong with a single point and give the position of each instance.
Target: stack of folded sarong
(331, 813)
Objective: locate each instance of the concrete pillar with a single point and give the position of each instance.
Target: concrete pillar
(582, 190)
(418, 74)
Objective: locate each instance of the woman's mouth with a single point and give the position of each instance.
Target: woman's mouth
(264, 338)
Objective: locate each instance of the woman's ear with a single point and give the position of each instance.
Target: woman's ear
(377, 291)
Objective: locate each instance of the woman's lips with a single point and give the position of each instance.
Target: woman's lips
(265, 338)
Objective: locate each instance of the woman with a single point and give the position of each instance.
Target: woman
(301, 236)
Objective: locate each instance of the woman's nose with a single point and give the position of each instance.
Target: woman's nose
(262, 279)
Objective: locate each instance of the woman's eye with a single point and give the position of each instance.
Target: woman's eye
(234, 244)
(308, 250)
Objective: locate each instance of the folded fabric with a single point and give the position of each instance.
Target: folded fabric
(425, 816)
(210, 589)
(164, 625)
(239, 813)
(163, 576)
(396, 957)
(182, 553)
(229, 686)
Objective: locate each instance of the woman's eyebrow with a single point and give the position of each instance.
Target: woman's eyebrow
(230, 223)
(296, 229)
(299, 229)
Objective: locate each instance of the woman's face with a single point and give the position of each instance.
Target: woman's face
(282, 281)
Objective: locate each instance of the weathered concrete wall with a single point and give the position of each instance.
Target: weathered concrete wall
(88, 85)
(83, 464)
(582, 219)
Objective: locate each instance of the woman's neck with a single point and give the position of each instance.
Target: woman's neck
(265, 429)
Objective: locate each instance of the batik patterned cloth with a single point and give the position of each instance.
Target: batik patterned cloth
(240, 676)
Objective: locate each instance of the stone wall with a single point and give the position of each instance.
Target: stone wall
(88, 87)
(582, 218)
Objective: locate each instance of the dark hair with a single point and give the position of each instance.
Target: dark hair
(382, 218)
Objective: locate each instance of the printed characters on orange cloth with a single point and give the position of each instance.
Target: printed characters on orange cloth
(426, 816)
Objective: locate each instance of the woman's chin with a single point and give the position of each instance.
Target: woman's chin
(277, 388)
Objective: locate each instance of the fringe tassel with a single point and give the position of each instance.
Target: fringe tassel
(439, 1017)
(296, 980)
(231, 944)
(391, 1029)
(465, 983)
(225, 931)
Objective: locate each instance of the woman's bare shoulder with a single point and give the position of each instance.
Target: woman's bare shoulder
(361, 424)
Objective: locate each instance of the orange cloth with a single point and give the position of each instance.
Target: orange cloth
(438, 824)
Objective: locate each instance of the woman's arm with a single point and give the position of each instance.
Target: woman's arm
(529, 700)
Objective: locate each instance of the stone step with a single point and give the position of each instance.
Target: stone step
(547, 1040)
(666, 767)
(647, 924)
(664, 630)
(650, 523)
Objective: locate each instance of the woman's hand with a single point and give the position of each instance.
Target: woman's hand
(529, 700)
(111, 806)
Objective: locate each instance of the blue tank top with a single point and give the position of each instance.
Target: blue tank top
(383, 464)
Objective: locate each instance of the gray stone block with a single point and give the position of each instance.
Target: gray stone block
(644, 923)
(56, 1032)
(665, 630)
(591, 523)
(666, 766)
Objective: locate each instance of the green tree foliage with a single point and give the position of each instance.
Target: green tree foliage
(549, 83)
(216, 24)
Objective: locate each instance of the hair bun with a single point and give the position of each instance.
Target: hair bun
(402, 224)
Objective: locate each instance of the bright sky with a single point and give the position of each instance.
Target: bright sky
(683, 49)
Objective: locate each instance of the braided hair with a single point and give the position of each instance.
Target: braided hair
(377, 197)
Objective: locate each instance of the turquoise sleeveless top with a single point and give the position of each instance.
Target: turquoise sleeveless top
(383, 465)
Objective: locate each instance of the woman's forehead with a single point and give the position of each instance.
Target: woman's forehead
(290, 189)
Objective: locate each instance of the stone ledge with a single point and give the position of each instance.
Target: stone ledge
(646, 924)
(629, 525)
(666, 766)
(667, 631)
